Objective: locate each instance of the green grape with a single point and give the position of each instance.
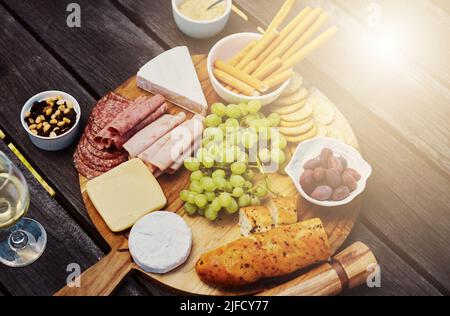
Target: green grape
(278, 156)
(210, 213)
(264, 155)
(210, 196)
(249, 139)
(213, 149)
(238, 168)
(229, 155)
(184, 195)
(192, 164)
(282, 142)
(233, 111)
(249, 118)
(233, 207)
(216, 204)
(243, 157)
(237, 181)
(201, 200)
(225, 199)
(195, 187)
(213, 133)
(213, 120)
(219, 109)
(255, 201)
(201, 211)
(249, 175)
(237, 192)
(233, 138)
(190, 208)
(220, 183)
(254, 106)
(228, 187)
(274, 119)
(196, 175)
(248, 185)
(258, 123)
(223, 128)
(261, 191)
(191, 198)
(199, 157)
(219, 173)
(245, 200)
(244, 109)
(265, 133)
(232, 124)
(206, 142)
(208, 184)
(208, 161)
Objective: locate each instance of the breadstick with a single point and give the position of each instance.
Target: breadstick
(285, 32)
(295, 34)
(260, 46)
(235, 83)
(306, 37)
(282, 14)
(238, 57)
(316, 43)
(242, 76)
(276, 80)
(251, 67)
(268, 69)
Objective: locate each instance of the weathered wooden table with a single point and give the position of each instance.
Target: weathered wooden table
(398, 105)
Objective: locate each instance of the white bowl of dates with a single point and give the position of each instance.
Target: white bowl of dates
(51, 119)
(328, 172)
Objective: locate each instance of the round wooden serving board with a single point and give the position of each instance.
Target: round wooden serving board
(105, 276)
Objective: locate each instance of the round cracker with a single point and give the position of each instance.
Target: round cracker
(295, 85)
(304, 113)
(324, 112)
(322, 132)
(290, 99)
(294, 124)
(298, 130)
(285, 110)
(298, 139)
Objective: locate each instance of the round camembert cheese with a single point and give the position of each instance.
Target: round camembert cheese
(160, 242)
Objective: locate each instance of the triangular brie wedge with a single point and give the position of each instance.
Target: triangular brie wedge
(173, 75)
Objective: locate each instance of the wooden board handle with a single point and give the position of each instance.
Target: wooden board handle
(348, 269)
(103, 278)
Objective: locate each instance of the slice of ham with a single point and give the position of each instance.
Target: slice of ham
(150, 134)
(120, 140)
(186, 154)
(127, 122)
(168, 150)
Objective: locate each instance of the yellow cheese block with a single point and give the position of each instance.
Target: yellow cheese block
(125, 194)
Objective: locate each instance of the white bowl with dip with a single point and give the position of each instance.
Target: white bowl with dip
(225, 49)
(193, 20)
(52, 143)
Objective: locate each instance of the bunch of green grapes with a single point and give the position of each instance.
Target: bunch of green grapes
(238, 140)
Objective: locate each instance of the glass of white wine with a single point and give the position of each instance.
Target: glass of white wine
(22, 240)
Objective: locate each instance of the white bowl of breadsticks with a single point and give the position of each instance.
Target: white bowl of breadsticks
(233, 88)
(252, 66)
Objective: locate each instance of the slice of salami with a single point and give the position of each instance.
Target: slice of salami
(105, 112)
(83, 169)
(103, 154)
(99, 163)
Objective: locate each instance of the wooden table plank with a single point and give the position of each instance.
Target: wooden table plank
(397, 277)
(67, 243)
(421, 24)
(21, 76)
(104, 52)
(156, 16)
(407, 100)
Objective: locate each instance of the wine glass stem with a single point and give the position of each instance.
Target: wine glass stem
(18, 239)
